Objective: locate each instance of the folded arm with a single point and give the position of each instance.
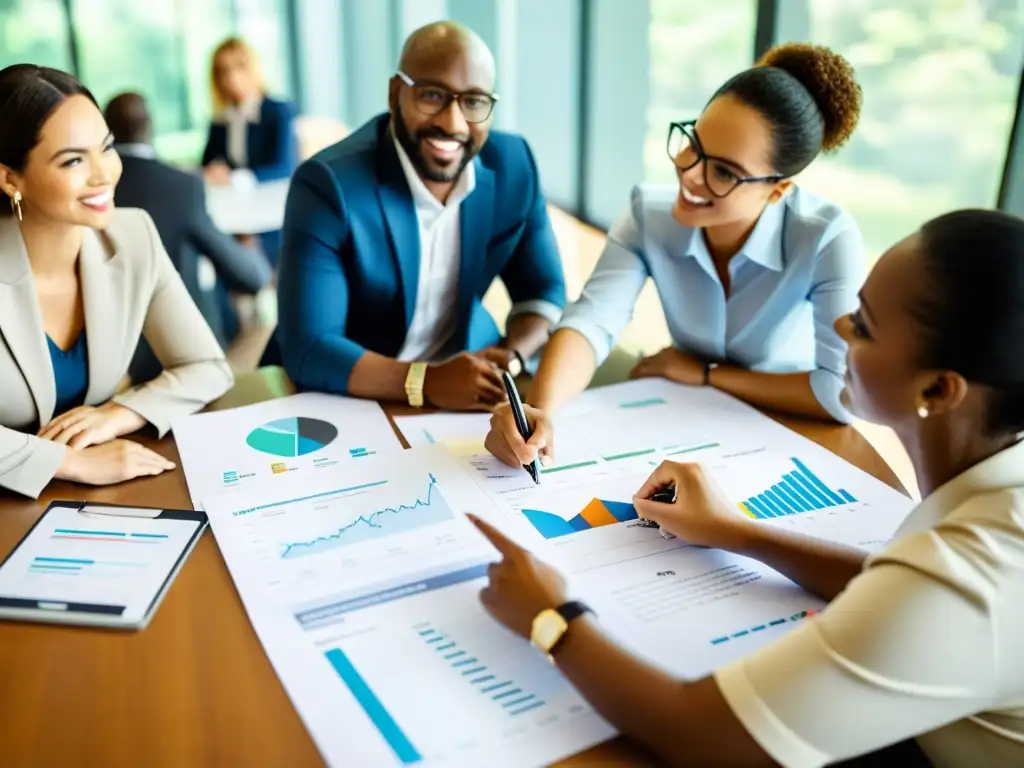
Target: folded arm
(28, 463)
(195, 371)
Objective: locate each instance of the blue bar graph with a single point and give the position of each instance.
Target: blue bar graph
(796, 492)
(504, 693)
(374, 708)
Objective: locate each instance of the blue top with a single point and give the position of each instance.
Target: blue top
(799, 271)
(350, 263)
(70, 373)
(271, 144)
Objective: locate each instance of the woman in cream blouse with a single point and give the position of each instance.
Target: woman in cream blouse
(79, 283)
(919, 657)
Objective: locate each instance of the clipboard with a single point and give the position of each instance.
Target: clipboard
(94, 564)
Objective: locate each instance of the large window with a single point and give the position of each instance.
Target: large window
(940, 82)
(263, 23)
(125, 45)
(694, 48)
(34, 33)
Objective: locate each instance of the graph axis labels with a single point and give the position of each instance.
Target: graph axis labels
(293, 436)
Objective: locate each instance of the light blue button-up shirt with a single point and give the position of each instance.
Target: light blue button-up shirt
(799, 271)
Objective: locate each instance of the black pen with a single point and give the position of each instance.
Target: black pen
(521, 423)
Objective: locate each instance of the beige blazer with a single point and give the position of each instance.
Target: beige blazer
(130, 289)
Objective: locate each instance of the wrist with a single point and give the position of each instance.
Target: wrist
(123, 419)
(741, 535)
(66, 470)
(709, 368)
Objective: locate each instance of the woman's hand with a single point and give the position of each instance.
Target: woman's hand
(520, 586)
(701, 513)
(218, 173)
(110, 463)
(505, 442)
(86, 425)
(672, 364)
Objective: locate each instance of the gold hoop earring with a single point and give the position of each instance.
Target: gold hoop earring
(16, 204)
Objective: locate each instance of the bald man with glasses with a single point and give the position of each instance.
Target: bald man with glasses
(393, 236)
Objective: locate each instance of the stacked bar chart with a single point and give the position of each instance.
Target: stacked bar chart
(797, 491)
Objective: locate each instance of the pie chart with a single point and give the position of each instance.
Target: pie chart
(295, 436)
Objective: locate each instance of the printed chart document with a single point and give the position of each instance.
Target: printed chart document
(687, 608)
(363, 586)
(451, 429)
(252, 448)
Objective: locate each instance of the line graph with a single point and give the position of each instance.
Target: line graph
(385, 521)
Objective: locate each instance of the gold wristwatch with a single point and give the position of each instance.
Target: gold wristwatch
(414, 384)
(550, 625)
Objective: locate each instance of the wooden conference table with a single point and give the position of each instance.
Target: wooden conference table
(195, 687)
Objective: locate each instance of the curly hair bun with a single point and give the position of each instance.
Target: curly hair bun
(829, 78)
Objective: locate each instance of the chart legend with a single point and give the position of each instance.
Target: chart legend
(798, 491)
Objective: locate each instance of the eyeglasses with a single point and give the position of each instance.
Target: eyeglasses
(721, 176)
(433, 100)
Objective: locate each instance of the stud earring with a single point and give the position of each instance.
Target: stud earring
(922, 411)
(16, 204)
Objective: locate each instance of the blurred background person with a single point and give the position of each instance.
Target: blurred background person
(252, 136)
(176, 200)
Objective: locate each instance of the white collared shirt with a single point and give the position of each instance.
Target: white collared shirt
(237, 119)
(927, 641)
(437, 293)
(136, 149)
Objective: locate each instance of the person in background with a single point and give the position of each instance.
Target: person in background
(393, 236)
(252, 135)
(176, 201)
(752, 270)
(921, 641)
(80, 282)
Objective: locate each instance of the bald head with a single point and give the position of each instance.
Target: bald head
(128, 119)
(441, 101)
(446, 44)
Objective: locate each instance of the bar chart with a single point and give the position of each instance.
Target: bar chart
(512, 698)
(797, 491)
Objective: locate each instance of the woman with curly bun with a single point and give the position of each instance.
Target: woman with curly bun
(752, 271)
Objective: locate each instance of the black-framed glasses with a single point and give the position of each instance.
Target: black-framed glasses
(721, 176)
(433, 100)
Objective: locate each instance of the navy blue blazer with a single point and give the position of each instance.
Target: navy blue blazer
(272, 147)
(350, 259)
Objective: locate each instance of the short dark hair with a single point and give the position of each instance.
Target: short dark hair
(128, 118)
(973, 306)
(809, 96)
(28, 96)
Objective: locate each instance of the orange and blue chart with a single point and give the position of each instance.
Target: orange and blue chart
(597, 513)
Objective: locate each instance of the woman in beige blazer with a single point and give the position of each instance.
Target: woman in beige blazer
(79, 283)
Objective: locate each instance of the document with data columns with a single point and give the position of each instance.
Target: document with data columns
(363, 587)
